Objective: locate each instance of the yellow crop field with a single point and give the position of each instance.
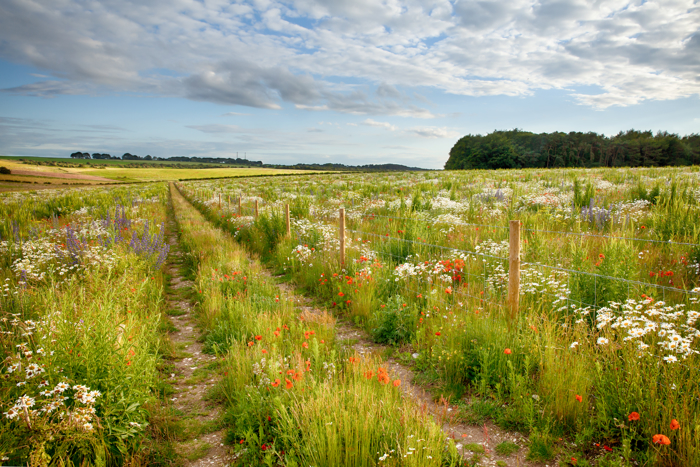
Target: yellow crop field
(168, 174)
(26, 172)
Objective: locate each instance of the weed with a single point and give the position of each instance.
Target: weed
(506, 448)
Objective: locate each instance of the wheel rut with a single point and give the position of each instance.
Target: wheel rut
(193, 373)
(443, 411)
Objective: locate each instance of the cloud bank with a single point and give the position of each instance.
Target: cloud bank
(357, 56)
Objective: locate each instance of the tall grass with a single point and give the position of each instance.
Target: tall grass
(573, 369)
(292, 395)
(80, 339)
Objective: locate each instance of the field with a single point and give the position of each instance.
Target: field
(106, 171)
(597, 365)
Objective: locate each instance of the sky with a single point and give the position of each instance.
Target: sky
(344, 81)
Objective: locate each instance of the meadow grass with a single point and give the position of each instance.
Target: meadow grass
(79, 318)
(606, 365)
(292, 395)
(587, 350)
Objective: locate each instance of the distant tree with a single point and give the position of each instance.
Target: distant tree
(5, 171)
(148, 158)
(130, 157)
(80, 155)
(493, 151)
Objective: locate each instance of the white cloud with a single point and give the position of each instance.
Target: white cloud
(433, 132)
(357, 56)
(385, 125)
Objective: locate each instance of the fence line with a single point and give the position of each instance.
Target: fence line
(575, 271)
(567, 299)
(525, 263)
(428, 244)
(629, 281)
(584, 234)
(561, 232)
(417, 220)
(457, 292)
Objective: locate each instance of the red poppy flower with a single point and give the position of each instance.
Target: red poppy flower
(397, 383)
(660, 439)
(289, 383)
(258, 338)
(633, 416)
(675, 425)
(305, 345)
(276, 383)
(437, 333)
(507, 351)
(579, 398)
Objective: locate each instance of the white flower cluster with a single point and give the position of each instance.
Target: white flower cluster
(492, 248)
(446, 204)
(302, 253)
(308, 231)
(259, 370)
(671, 328)
(551, 198)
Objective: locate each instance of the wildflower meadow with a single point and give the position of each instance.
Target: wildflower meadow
(607, 322)
(592, 356)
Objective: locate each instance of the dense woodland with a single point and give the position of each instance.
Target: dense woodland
(520, 149)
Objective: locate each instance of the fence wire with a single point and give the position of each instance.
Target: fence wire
(559, 232)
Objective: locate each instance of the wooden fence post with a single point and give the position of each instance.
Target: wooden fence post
(256, 208)
(341, 234)
(514, 269)
(289, 229)
(219, 200)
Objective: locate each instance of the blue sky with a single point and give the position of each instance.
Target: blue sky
(349, 81)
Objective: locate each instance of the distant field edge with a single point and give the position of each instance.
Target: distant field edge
(285, 174)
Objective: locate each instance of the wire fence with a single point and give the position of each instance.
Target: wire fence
(488, 278)
(558, 232)
(496, 299)
(598, 294)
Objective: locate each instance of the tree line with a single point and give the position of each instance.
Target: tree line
(523, 149)
(133, 157)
